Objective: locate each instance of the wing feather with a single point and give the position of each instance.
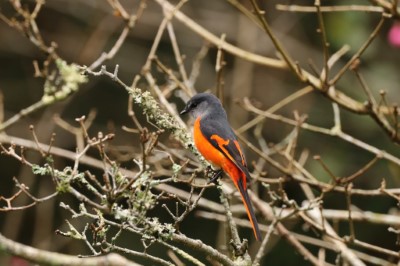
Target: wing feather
(223, 138)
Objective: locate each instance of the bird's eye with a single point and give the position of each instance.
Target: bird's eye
(193, 105)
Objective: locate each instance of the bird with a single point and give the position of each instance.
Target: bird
(216, 141)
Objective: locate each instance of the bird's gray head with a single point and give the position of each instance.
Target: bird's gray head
(202, 104)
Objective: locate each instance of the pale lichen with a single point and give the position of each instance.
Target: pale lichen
(65, 80)
(162, 119)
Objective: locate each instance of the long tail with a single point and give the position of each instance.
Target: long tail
(249, 208)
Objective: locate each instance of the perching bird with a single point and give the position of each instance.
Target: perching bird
(215, 140)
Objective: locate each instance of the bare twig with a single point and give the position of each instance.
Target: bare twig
(51, 258)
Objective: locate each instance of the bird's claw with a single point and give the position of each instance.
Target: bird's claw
(215, 177)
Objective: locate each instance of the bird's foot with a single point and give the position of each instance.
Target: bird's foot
(215, 177)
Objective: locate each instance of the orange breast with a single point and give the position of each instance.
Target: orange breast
(213, 155)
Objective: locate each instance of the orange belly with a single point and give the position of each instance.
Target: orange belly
(213, 155)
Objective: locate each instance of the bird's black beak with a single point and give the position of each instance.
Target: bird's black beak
(184, 111)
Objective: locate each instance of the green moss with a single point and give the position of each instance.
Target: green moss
(156, 229)
(39, 170)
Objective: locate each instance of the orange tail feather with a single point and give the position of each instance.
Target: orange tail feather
(249, 208)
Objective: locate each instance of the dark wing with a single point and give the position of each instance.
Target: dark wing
(221, 136)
